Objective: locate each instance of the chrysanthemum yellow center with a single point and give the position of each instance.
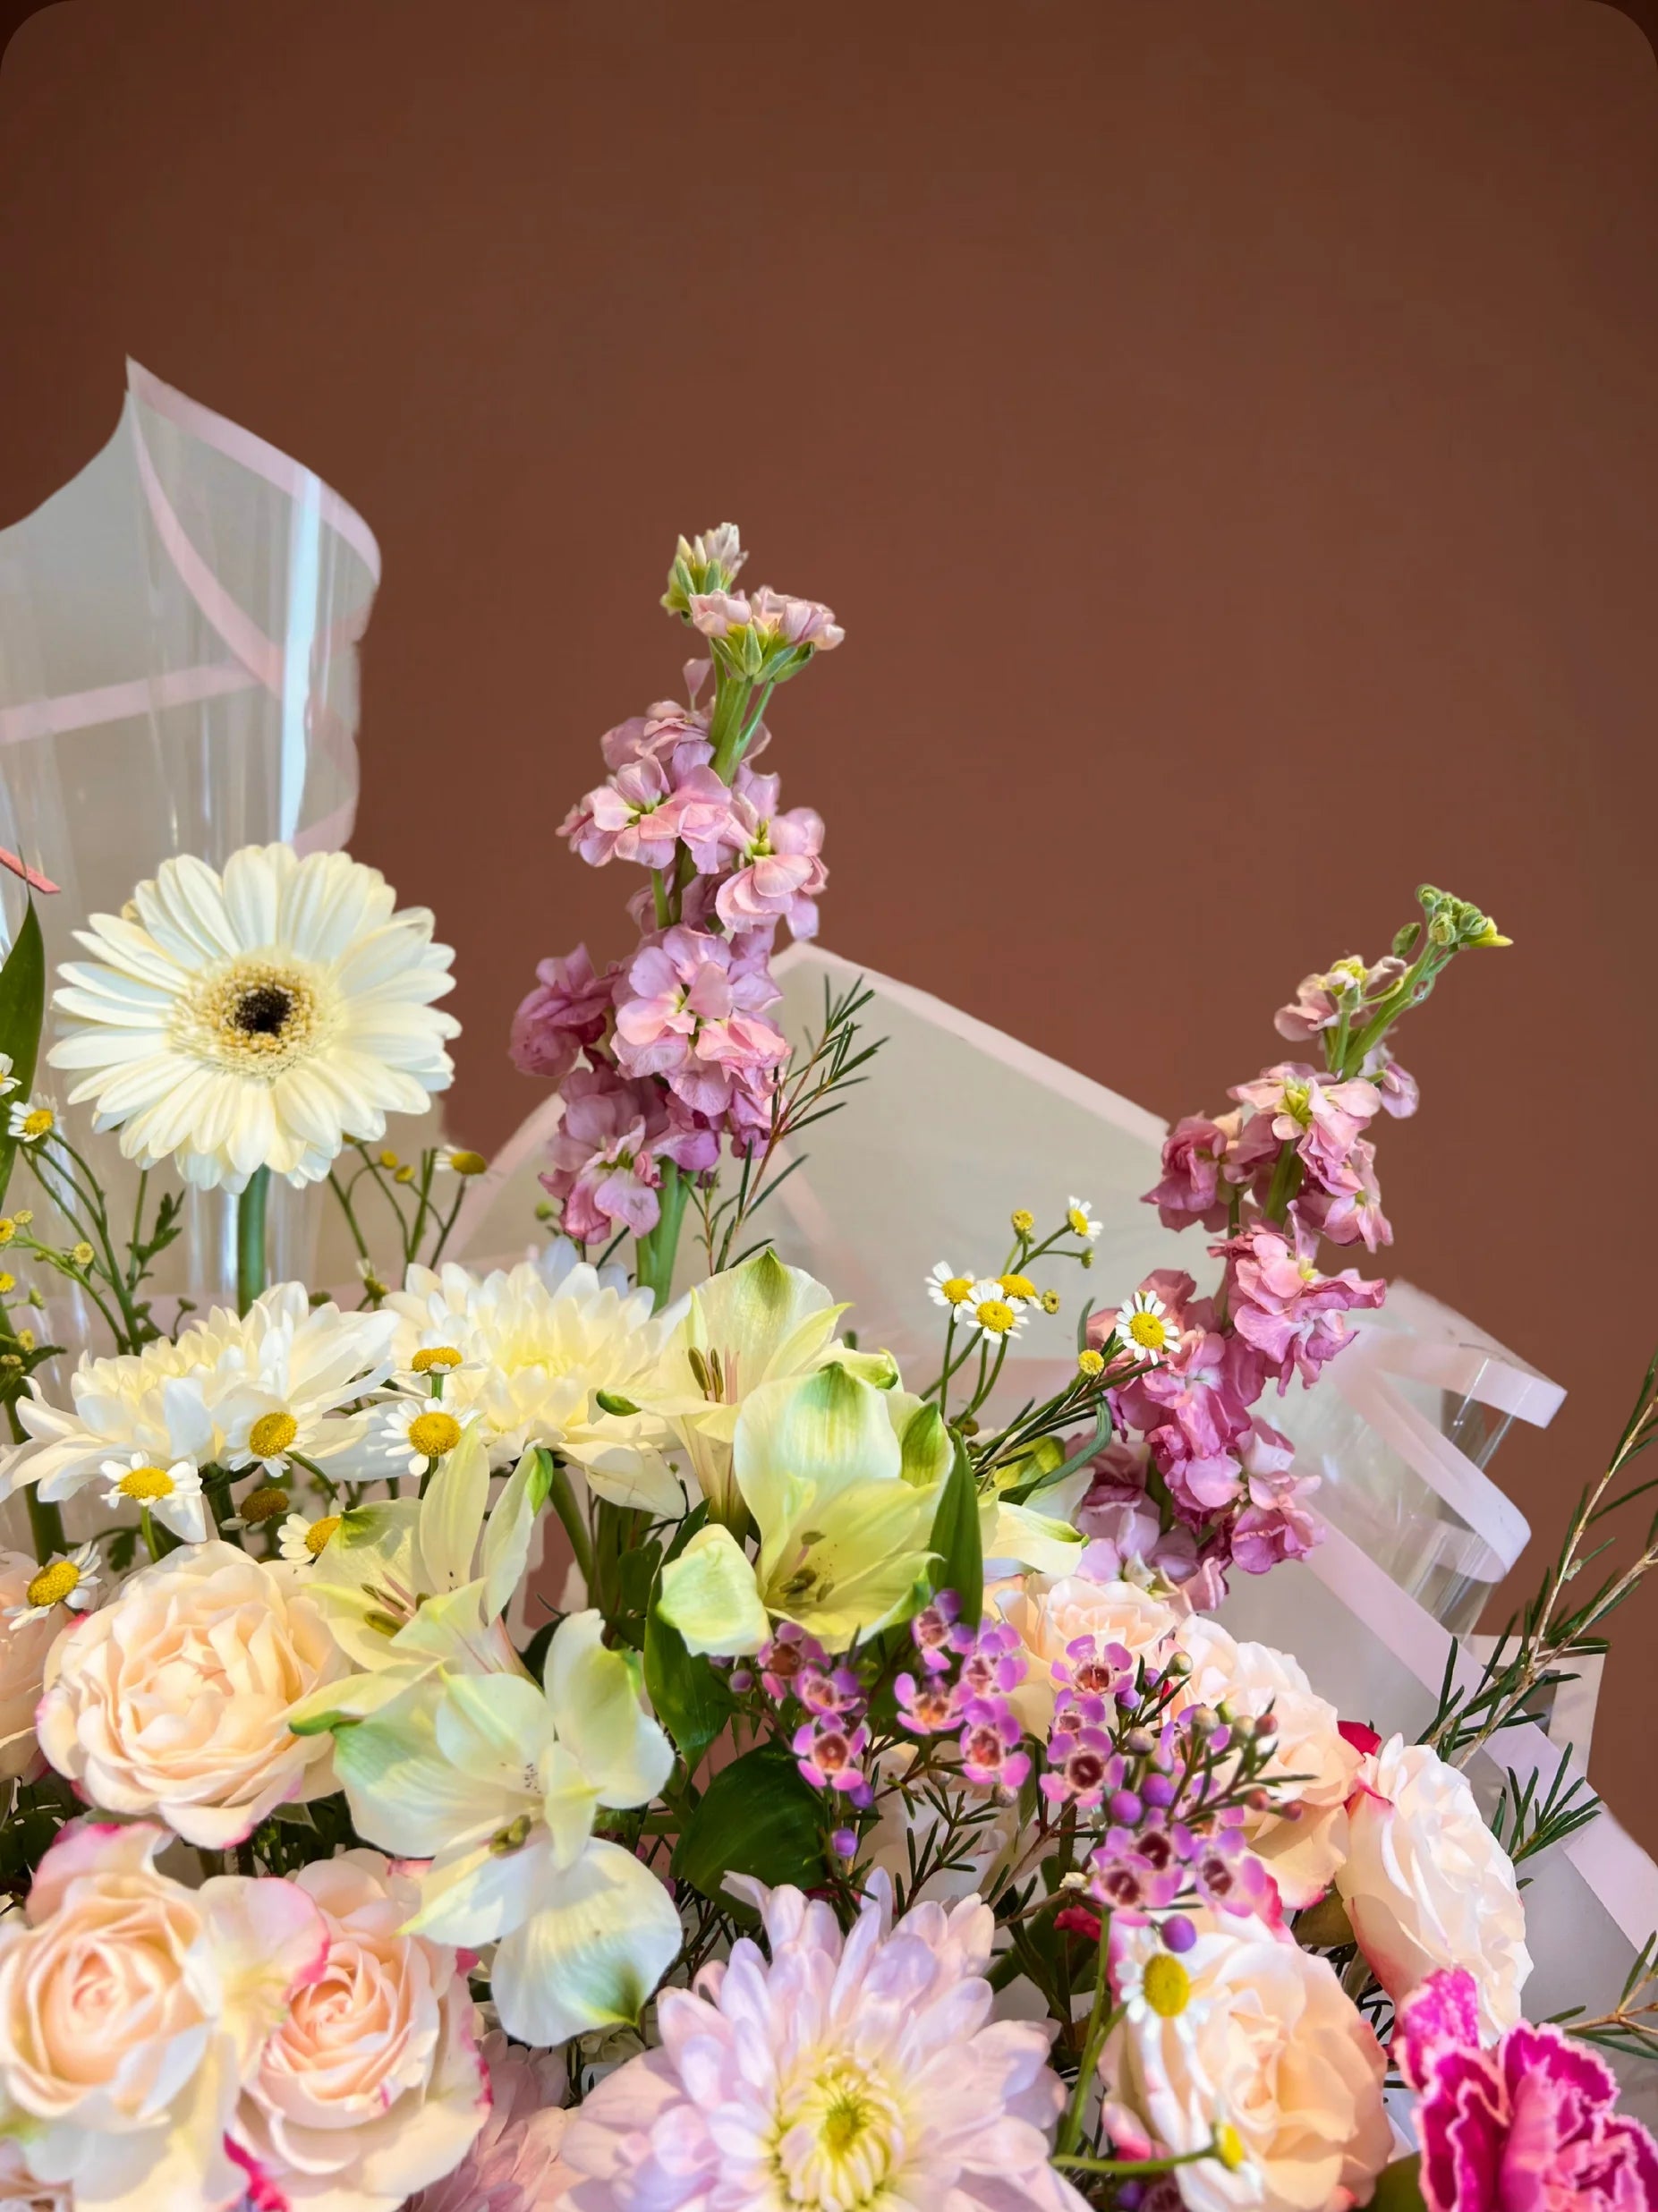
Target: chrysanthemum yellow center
(1016, 1286)
(39, 1123)
(432, 1435)
(1150, 1331)
(996, 1315)
(254, 1016)
(263, 1504)
(54, 1583)
(435, 1355)
(317, 1536)
(272, 1433)
(837, 2134)
(957, 1288)
(1167, 1985)
(146, 1483)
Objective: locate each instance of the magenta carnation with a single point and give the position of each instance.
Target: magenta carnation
(839, 2071)
(1531, 2126)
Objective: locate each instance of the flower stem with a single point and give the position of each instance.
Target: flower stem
(45, 1524)
(251, 1277)
(564, 1504)
(1101, 2020)
(654, 1264)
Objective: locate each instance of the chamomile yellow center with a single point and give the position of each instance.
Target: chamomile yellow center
(1089, 1362)
(147, 1484)
(1016, 1286)
(263, 1504)
(996, 1315)
(1167, 1985)
(1078, 1221)
(54, 1583)
(37, 1124)
(1149, 1331)
(317, 1536)
(431, 1435)
(438, 1356)
(272, 1433)
(1229, 2147)
(468, 1162)
(957, 1289)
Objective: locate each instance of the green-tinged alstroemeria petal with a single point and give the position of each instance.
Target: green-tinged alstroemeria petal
(452, 1512)
(605, 1934)
(710, 1596)
(405, 1794)
(1052, 1547)
(594, 1697)
(481, 1893)
(924, 1441)
(635, 1476)
(506, 1538)
(334, 1703)
(828, 1429)
(496, 1728)
(849, 1562)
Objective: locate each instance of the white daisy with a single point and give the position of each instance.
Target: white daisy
(8, 1081)
(416, 1431)
(1079, 1217)
(234, 1390)
(1146, 1329)
(303, 1540)
(60, 1582)
(250, 1020)
(987, 1308)
(172, 1494)
(946, 1287)
(28, 1120)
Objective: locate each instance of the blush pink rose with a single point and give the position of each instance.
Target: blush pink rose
(174, 1700)
(514, 2163)
(372, 2085)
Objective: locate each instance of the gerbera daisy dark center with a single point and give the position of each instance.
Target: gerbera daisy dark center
(262, 1011)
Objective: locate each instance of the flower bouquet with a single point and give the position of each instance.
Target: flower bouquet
(878, 1814)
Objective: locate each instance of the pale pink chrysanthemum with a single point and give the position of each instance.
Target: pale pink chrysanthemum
(514, 2165)
(842, 2071)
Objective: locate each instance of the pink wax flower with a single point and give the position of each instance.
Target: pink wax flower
(779, 872)
(1352, 1212)
(569, 1007)
(746, 2101)
(1322, 1119)
(691, 1010)
(1281, 1304)
(1531, 2126)
(1189, 1191)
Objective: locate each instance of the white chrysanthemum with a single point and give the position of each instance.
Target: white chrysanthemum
(990, 1309)
(252, 1020)
(859, 2071)
(542, 1345)
(947, 1289)
(233, 1392)
(1145, 1328)
(173, 1495)
(63, 1581)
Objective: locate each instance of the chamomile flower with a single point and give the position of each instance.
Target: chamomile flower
(262, 1505)
(946, 1287)
(172, 1494)
(1079, 1219)
(30, 1122)
(455, 1160)
(417, 1430)
(1146, 1329)
(303, 1540)
(1019, 1290)
(8, 1081)
(63, 1581)
(987, 1308)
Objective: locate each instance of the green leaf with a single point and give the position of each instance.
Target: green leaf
(690, 1699)
(1398, 2187)
(22, 1010)
(759, 1816)
(960, 1562)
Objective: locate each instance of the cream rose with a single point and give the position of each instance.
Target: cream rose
(1051, 1612)
(514, 2165)
(373, 2085)
(131, 2007)
(1426, 1884)
(1247, 2032)
(1302, 1854)
(23, 1648)
(174, 1700)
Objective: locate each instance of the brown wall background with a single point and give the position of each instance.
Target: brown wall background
(1227, 434)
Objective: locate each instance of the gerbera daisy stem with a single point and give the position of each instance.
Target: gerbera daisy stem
(251, 1277)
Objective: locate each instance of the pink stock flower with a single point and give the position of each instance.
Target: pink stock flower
(1400, 1094)
(514, 2165)
(841, 2068)
(1530, 2126)
(642, 812)
(1189, 1191)
(696, 1017)
(773, 615)
(605, 1151)
(1322, 1119)
(570, 1007)
(662, 729)
(1319, 998)
(1352, 1212)
(780, 873)
(1281, 1304)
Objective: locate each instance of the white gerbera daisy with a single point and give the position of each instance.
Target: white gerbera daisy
(1146, 1329)
(302, 1540)
(1079, 1218)
(172, 1494)
(988, 1308)
(250, 1021)
(61, 1581)
(947, 1289)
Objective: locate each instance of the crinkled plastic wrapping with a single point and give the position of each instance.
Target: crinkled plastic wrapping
(178, 674)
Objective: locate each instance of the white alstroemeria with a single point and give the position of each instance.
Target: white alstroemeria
(1006, 1532)
(753, 1327)
(710, 1595)
(233, 1390)
(409, 1585)
(497, 1783)
(552, 1354)
(843, 1536)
